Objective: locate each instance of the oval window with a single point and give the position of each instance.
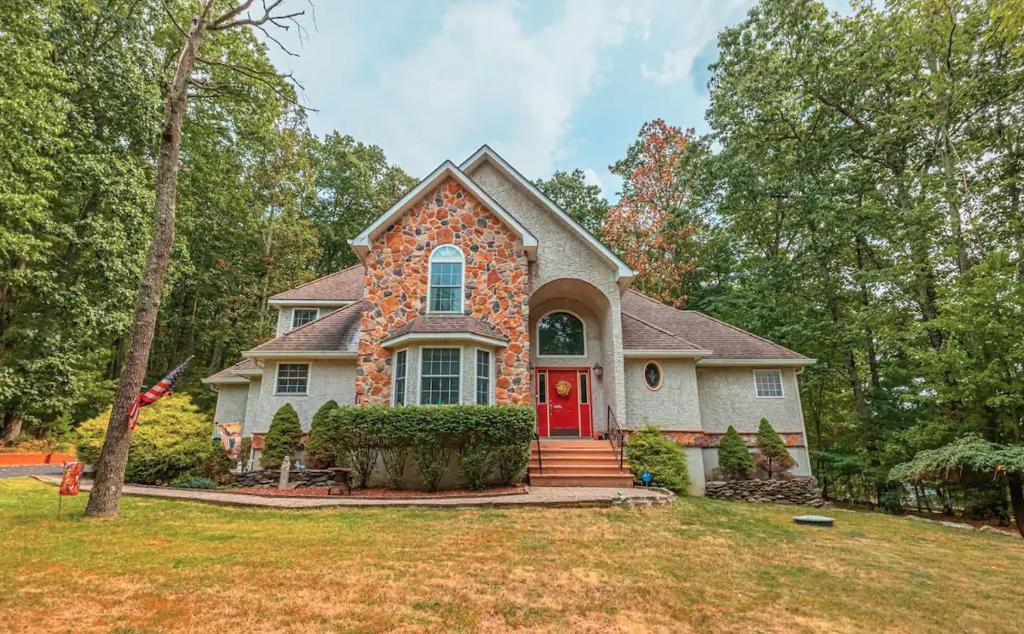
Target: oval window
(652, 375)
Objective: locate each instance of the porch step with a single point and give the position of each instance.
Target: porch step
(577, 462)
(580, 480)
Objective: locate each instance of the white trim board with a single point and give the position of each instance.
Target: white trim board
(311, 303)
(305, 354)
(441, 337)
(646, 353)
(764, 363)
(361, 243)
(625, 273)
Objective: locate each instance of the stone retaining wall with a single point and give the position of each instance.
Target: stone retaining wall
(297, 478)
(798, 490)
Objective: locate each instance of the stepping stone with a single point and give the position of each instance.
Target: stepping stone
(814, 520)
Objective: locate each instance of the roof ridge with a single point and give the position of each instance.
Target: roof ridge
(659, 329)
(314, 281)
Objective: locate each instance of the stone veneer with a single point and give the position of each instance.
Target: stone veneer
(496, 287)
(796, 490)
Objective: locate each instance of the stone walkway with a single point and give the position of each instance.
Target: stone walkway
(35, 469)
(538, 496)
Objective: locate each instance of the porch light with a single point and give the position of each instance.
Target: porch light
(598, 370)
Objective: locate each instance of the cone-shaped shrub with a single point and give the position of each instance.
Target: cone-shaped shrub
(319, 447)
(734, 461)
(774, 457)
(285, 432)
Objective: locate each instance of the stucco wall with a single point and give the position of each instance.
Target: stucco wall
(802, 468)
(674, 406)
(563, 253)
(727, 397)
(328, 379)
(252, 405)
(231, 403)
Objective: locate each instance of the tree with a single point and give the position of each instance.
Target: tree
(284, 434)
(104, 499)
(773, 457)
(581, 200)
(734, 461)
(643, 227)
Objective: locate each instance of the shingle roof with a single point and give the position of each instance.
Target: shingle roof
(337, 331)
(640, 335)
(228, 375)
(696, 328)
(443, 324)
(345, 285)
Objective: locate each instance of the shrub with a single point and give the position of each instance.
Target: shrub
(650, 450)
(193, 482)
(318, 446)
(734, 461)
(217, 465)
(284, 434)
(430, 436)
(173, 439)
(773, 456)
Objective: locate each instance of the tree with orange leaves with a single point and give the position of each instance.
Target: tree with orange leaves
(644, 227)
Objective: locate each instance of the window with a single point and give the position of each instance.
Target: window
(584, 393)
(302, 316)
(542, 388)
(440, 376)
(398, 386)
(292, 378)
(561, 334)
(652, 375)
(483, 377)
(768, 383)
(445, 288)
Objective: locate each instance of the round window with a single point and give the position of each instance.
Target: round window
(652, 375)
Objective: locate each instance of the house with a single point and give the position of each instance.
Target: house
(476, 288)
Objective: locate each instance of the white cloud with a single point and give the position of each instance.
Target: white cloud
(590, 177)
(482, 77)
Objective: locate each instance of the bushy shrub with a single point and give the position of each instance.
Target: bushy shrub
(315, 447)
(734, 461)
(284, 434)
(172, 440)
(193, 482)
(650, 450)
(428, 435)
(217, 465)
(773, 456)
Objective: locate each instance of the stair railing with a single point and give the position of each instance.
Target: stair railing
(540, 456)
(616, 437)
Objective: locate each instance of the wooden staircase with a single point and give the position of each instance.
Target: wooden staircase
(577, 463)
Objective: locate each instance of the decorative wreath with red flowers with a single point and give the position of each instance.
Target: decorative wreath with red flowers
(563, 388)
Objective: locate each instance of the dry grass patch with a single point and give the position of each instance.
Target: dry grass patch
(696, 566)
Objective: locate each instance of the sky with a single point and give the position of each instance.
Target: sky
(549, 84)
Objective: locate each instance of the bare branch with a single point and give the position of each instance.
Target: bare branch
(275, 40)
(264, 77)
(231, 20)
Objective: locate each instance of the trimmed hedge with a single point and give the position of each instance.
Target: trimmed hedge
(484, 436)
(284, 434)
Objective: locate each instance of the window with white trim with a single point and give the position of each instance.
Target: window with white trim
(440, 375)
(483, 377)
(292, 378)
(444, 293)
(768, 383)
(398, 385)
(302, 316)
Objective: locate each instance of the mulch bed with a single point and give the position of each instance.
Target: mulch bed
(379, 492)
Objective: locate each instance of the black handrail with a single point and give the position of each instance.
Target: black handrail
(616, 437)
(540, 458)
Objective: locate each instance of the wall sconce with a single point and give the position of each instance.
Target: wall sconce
(598, 370)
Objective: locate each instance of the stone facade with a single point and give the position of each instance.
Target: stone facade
(297, 478)
(801, 490)
(496, 287)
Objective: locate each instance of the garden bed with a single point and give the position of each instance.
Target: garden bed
(380, 492)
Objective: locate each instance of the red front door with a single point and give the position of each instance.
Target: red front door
(563, 401)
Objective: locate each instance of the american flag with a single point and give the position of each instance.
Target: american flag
(154, 394)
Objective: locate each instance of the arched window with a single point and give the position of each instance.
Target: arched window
(445, 287)
(561, 334)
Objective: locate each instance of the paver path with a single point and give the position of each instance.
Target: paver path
(538, 496)
(33, 469)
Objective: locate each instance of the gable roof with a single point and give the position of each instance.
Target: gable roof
(638, 336)
(229, 376)
(361, 243)
(333, 335)
(341, 288)
(485, 153)
(726, 343)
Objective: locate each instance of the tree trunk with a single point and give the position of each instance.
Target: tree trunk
(12, 427)
(1016, 483)
(105, 498)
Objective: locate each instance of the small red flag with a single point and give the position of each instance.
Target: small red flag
(72, 478)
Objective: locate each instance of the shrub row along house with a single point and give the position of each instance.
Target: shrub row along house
(476, 288)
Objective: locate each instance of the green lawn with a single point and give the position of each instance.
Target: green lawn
(697, 565)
